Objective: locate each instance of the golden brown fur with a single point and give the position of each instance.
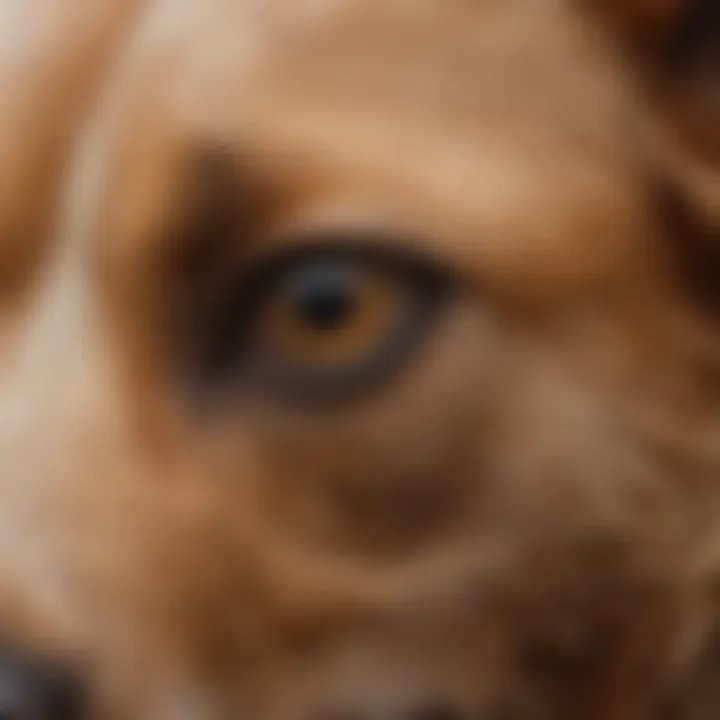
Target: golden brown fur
(523, 522)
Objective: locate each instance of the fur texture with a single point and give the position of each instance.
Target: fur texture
(522, 523)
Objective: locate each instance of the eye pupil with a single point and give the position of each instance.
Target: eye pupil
(323, 298)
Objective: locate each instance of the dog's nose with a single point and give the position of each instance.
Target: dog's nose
(32, 690)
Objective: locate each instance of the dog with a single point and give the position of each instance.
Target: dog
(233, 485)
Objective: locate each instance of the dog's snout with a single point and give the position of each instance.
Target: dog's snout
(34, 690)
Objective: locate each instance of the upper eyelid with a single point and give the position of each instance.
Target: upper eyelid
(394, 252)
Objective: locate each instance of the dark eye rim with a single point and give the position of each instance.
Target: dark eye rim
(230, 364)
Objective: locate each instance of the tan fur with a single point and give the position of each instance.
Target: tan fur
(523, 522)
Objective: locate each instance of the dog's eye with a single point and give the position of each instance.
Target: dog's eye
(325, 314)
(322, 323)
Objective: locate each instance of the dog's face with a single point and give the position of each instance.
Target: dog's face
(369, 368)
